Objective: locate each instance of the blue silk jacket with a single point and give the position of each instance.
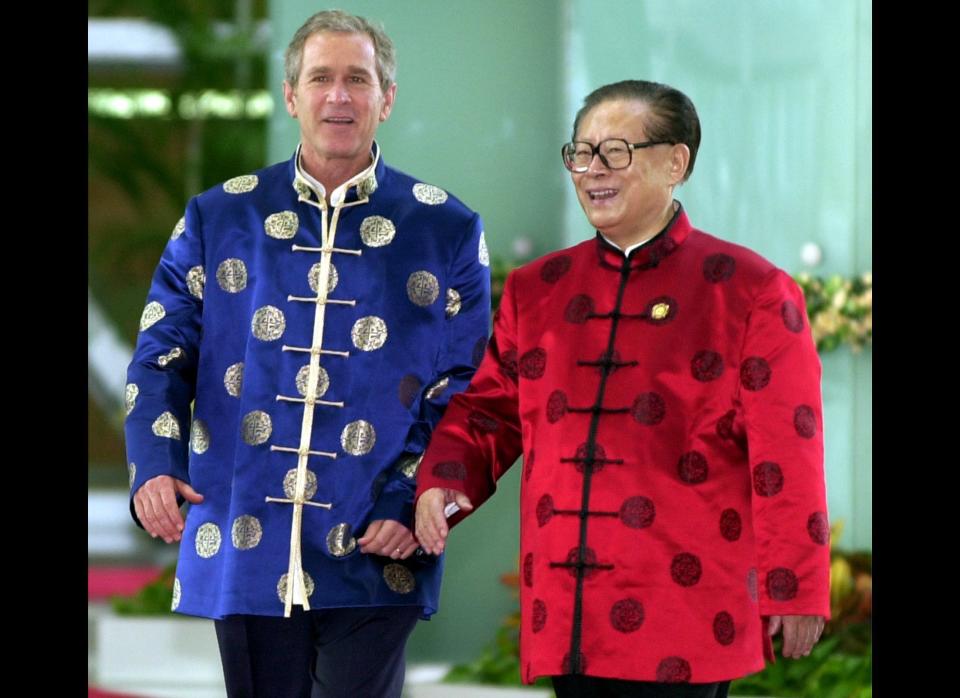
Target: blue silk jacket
(292, 360)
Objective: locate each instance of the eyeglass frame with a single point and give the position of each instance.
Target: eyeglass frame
(596, 152)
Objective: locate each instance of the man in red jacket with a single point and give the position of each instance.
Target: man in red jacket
(663, 388)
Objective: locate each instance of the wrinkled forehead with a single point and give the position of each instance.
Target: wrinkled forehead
(614, 118)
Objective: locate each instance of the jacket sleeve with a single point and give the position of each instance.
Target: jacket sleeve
(466, 326)
(480, 436)
(161, 378)
(779, 390)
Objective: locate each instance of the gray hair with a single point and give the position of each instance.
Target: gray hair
(344, 23)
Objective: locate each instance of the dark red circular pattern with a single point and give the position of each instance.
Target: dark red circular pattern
(706, 365)
(819, 528)
(555, 268)
(730, 524)
(556, 406)
(805, 421)
(614, 359)
(626, 615)
(781, 584)
(545, 509)
(673, 670)
(508, 363)
(718, 267)
(599, 454)
(528, 465)
(692, 468)
(567, 667)
(533, 363)
(723, 629)
(671, 304)
(528, 569)
(483, 423)
(579, 307)
(685, 569)
(752, 584)
(792, 316)
(450, 470)
(660, 248)
(767, 479)
(725, 425)
(755, 373)
(589, 558)
(410, 387)
(649, 409)
(637, 512)
(539, 615)
(479, 349)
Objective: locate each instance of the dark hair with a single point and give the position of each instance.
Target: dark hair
(673, 116)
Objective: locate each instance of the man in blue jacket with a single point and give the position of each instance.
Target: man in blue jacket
(303, 333)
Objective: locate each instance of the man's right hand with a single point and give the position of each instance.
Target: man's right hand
(156, 506)
(432, 529)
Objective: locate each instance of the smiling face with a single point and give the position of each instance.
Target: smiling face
(635, 203)
(339, 103)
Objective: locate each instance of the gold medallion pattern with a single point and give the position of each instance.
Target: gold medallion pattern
(313, 278)
(484, 252)
(232, 275)
(282, 587)
(369, 333)
(367, 185)
(399, 578)
(358, 438)
(377, 231)
(453, 303)
(303, 189)
(422, 288)
(199, 437)
(429, 194)
(246, 532)
(196, 280)
(233, 379)
(207, 541)
(339, 540)
(290, 484)
(436, 390)
(323, 381)
(660, 311)
(241, 185)
(130, 393)
(175, 353)
(166, 426)
(409, 465)
(268, 323)
(179, 228)
(281, 226)
(151, 314)
(256, 428)
(176, 594)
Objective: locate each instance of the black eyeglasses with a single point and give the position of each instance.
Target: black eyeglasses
(615, 153)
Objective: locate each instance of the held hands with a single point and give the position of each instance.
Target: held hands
(155, 504)
(432, 529)
(388, 538)
(800, 633)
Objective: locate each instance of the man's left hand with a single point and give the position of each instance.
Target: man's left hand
(388, 538)
(800, 633)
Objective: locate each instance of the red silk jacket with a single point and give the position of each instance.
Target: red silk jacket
(667, 406)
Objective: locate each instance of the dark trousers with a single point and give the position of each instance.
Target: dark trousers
(328, 653)
(579, 686)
